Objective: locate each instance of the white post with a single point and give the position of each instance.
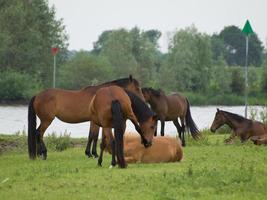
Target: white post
(54, 74)
(246, 80)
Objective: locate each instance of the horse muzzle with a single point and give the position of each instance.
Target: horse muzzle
(147, 144)
(212, 130)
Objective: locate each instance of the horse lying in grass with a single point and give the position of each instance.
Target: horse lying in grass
(164, 149)
(242, 127)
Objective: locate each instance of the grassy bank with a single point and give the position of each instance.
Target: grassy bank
(210, 170)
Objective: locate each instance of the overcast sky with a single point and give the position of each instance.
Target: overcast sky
(85, 20)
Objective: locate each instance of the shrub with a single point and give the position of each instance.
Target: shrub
(17, 86)
(58, 143)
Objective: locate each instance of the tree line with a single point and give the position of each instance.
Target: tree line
(205, 67)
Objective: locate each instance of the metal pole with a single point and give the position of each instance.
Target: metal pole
(54, 74)
(246, 80)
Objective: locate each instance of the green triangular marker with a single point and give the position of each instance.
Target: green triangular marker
(247, 28)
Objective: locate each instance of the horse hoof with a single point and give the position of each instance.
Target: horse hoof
(111, 166)
(89, 155)
(43, 157)
(96, 156)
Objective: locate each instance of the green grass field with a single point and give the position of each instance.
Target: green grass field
(210, 170)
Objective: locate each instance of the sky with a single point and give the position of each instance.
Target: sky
(85, 20)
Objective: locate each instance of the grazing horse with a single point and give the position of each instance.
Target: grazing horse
(242, 127)
(170, 108)
(69, 106)
(111, 107)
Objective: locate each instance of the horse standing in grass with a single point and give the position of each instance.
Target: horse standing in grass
(170, 108)
(242, 127)
(111, 107)
(69, 106)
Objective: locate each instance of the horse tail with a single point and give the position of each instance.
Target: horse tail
(31, 130)
(190, 123)
(117, 122)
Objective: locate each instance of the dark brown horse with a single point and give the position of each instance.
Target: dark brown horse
(242, 127)
(170, 108)
(70, 106)
(111, 107)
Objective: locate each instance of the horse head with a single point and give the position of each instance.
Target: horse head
(148, 129)
(134, 86)
(218, 121)
(149, 93)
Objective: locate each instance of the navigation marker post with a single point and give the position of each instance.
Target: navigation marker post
(247, 30)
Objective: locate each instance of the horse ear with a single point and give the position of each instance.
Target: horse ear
(131, 78)
(218, 110)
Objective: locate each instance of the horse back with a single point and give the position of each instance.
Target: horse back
(67, 105)
(100, 106)
(177, 105)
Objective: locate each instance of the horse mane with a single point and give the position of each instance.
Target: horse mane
(156, 93)
(237, 117)
(122, 82)
(140, 108)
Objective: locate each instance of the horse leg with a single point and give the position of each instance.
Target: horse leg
(88, 146)
(113, 155)
(155, 133)
(162, 122)
(102, 148)
(93, 132)
(130, 159)
(119, 132)
(231, 138)
(106, 138)
(42, 148)
(183, 131)
(178, 127)
(94, 151)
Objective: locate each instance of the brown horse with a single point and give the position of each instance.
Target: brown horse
(170, 108)
(68, 105)
(164, 149)
(242, 127)
(111, 107)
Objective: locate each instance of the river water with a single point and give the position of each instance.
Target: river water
(14, 119)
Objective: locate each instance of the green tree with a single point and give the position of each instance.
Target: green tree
(17, 86)
(237, 82)
(130, 52)
(29, 30)
(235, 46)
(84, 69)
(189, 60)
